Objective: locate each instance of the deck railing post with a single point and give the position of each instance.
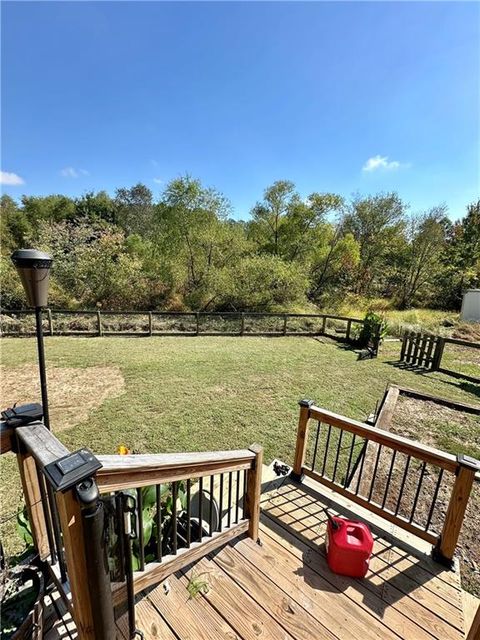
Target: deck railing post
(34, 503)
(447, 542)
(253, 493)
(81, 519)
(302, 437)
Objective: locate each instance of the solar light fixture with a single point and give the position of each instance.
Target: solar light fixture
(34, 267)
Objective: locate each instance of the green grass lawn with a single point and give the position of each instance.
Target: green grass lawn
(185, 394)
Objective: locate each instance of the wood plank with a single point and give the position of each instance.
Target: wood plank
(386, 438)
(189, 617)
(238, 607)
(41, 443)
(155, 572)
(356, 591)
(73, 540)
(453, 404)
(311, 591)
(123, 472)
(445, 581)
(149, 621)
(289, 614)
(417, 606)
(385, 415)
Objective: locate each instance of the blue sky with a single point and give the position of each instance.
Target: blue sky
(336, 96)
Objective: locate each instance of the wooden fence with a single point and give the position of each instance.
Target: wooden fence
(425, 351)
(63, 322)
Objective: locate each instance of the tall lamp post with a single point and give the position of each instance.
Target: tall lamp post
(34, 269)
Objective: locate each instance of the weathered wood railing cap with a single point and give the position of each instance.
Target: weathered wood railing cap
(410, 447)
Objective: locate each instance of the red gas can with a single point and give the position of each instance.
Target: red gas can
(349, 546)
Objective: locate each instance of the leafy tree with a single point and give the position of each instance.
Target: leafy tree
(96, 206)
(54, 208)
(134, 209)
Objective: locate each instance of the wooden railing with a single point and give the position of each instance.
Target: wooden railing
(212, 497)
(168, 323)
(401, 480)
(76, 551)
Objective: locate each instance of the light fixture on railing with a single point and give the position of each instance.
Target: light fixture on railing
(34, 269)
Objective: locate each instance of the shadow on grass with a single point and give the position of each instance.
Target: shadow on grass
(457, 383)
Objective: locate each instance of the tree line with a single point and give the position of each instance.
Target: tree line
(185, 251)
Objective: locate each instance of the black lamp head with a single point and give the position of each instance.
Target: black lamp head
(34, 269)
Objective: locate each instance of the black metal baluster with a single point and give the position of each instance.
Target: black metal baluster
(374, 475)
(119, 530)
(46, 511)
(347, 473)
(140, 529)
(417, 493)
(158, 517)
(434, 499)
(220, 502)
(390, 471)
(229, 514)
(210, 518)
(244, 500)
(189, 514)
(174, 518)
(362, 462)
(326, 449)
(314, 459)
(338, 453)
(237, 496)
(200, 508)
(402, 486)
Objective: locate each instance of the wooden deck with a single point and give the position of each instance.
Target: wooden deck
(283, 589)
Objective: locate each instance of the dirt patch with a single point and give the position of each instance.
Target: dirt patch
(73, 393)
(467, 331)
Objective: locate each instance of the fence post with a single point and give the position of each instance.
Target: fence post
(446, 545)
(99, 324)
(242, 323)
(349, 327)
(197, 323)
(50, 322)
(150, 323)
(285, 319)
(438, 353)
(324, 325)
(254, 490)
(302, 437)
(404, 346)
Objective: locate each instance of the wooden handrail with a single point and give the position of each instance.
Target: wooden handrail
(125, 472)
(418, 450)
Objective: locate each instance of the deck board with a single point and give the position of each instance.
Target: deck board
(283, 589)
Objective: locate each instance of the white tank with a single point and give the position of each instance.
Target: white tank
(471, 306)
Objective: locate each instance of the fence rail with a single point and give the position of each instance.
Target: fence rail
(401, 480)
(426, 351)
(58, 322)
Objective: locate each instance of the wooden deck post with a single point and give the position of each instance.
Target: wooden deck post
(254, 490)
(72, 530)
(33, 501)
(446, 545)
(302, 437)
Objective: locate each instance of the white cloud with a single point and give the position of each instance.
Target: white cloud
(70, 172)
(158, 180)
(376, 163)
(12, 179)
